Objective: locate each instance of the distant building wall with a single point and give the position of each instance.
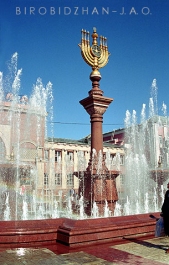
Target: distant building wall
(53, 162)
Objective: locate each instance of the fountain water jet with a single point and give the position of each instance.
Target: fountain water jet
(16, 171)
(146, 165)
(22, 135)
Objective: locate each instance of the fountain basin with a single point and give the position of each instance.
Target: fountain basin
(74, 233)
(28, 231)
(102, 230)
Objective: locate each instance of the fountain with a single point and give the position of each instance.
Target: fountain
(146, 165)
(97, 183)
(23, 121)
(28, 215)
(22, 135)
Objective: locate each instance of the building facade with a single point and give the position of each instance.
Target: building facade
(49, 165)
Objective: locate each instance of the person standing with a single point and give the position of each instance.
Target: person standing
(165, 211)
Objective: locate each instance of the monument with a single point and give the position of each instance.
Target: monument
(97, 184)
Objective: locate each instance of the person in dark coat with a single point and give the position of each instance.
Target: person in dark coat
(165, 211)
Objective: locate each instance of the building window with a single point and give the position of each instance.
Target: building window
(2, 149)
(121, 179)
(46, 153)
(57, 156)
(161, 141)
(70, 155)
(58, 179)
(112, 158)
(46, 179)
(70, 180)
(121, 159)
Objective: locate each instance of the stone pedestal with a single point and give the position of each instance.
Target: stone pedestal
(100, 189)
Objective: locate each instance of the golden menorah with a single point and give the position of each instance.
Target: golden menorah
(96, 55)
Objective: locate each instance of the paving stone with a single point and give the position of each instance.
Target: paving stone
(153, 249)
(142, 252)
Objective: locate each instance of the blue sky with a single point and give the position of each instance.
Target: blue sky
(47, 46)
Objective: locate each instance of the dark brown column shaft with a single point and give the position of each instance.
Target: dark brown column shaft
(96, 132)
(95, 105)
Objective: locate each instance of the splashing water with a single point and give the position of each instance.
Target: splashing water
(25, 210)
(7, 208)
(141, 192)
(142, 156)
(22, 131)
(95, 210)
(106, 210)
(81, 205)
(118, 210)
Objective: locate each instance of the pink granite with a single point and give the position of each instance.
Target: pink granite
(76, 232)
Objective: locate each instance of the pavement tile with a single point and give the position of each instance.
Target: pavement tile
(136, 252)
(152, 249)
(46, 257)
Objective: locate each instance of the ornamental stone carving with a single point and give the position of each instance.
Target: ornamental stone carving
(100, 110)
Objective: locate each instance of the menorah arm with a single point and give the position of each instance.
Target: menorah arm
(94, 61)
(103, 60)
(84, 58)
(86, 54)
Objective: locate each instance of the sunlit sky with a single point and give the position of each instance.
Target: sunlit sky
(47, 47)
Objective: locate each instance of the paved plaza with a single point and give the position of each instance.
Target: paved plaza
(134, 251)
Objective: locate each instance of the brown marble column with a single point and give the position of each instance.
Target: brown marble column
(98, 184)
(95, 105)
